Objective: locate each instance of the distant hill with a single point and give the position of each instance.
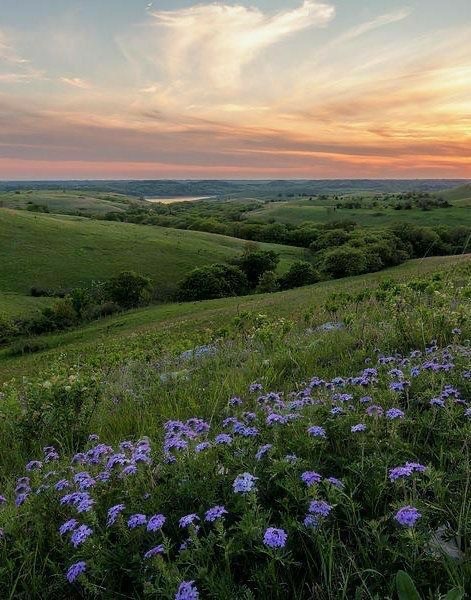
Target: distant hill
(257, 188)
(461, 192)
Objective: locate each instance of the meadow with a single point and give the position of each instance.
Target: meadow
(60, 252)
(306, 444)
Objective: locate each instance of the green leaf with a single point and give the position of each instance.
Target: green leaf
(454, 594)
(405, 587)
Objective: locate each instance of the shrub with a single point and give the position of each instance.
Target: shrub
(344, 262)
(213, 281)
(300, 273)
(254, 263)
(268, 283)
(129, 289)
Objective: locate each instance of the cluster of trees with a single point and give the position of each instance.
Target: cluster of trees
(80, 305)
(253, 271)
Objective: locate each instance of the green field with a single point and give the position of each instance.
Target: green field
(68, 201)
(143, 332)
(303, 210)
(52, 251)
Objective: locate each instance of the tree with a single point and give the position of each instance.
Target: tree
(300, 273)
(345, 261)
(254, 263)
(268, 283)
(128, 289)
(213, 281)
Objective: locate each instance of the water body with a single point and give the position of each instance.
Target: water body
(179, 199)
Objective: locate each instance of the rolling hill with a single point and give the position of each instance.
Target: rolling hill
(58, 251)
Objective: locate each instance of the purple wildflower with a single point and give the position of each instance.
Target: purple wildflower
(317, 431)
(262, 451)
(33, 465)
(136, 521)
(437, 402)
(80, 535)
(358, 428)
(113, 514)
(154, 551)
(244, 483)
(76, 570)
(311, 477)
(311, 521)
(69, 525)
(202, 446)
(217, 512)
(187, 591)
(374, 411)
(155, 522)
(62, 484)
(223, 438)
(188, 520)
(335, 482)
(275, 538)
(320, 508)
(394, 413)
(407, 516)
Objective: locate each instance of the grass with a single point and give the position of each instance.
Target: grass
(57, 251)
(181, 326)
(125, 378)
(302, 210)
(68, 201)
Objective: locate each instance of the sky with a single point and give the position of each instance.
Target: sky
(258, 89)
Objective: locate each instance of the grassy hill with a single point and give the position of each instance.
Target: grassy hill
(180, 326)
(58, 251)
(302, 210)
(323, 461)
(67, 201)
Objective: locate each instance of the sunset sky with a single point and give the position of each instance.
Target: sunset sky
(246, 89)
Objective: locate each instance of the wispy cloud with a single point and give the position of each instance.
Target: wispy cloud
(76, 82)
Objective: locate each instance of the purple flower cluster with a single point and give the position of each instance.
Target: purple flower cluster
(406, 470)
(407, 516)
(275, 538)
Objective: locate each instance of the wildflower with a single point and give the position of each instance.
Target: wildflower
(76, 570)
(405, 470)
(467, 413)
(217, 512)
(93, 437)
(33, 465)
(407, 516)
(317, 431)
(236, 401)
(320, 508)
(62, 484)
(311, 477)
(202, 446)
(244, 483)
(136, 521)
(394, 413)
(291, 458)
(187, 591)
(262, 451)
(80, 535)
(374, 411)
(155, 522)
(358, 428)
(337, 410)
(311, 521)
(154, 551)
(20, 499)
(69, 525)
(274, 418)
(113, 514)
(188, 520)
(437, 402)
(255, 387)
(223, 438)
(275, 538)
(335, 482)
(129, 470)
(3, 500)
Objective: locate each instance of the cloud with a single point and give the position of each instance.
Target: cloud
(209, 45)
(76, 82)
(376, 23)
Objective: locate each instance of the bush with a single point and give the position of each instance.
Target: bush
(344, 262)
(254, 263)
(129, 289)
(300, 273)
(213, 281)
(268, 283)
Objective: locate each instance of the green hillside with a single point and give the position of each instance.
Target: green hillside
(141, 333)
(67, 201)
(303, 210)
(53, 251)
